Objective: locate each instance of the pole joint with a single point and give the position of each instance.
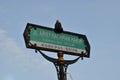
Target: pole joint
(60, 58)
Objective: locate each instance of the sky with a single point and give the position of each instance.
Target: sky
(99, 20)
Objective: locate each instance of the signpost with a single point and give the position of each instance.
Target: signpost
(57, 40)
(44, 38)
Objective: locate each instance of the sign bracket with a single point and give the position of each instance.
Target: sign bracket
(60, 64)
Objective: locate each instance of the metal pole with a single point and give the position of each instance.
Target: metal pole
(61, 72)
(61, 66)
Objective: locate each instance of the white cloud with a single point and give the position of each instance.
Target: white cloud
(2, 32)
(8, 44)
(9, 77)
(19, 57)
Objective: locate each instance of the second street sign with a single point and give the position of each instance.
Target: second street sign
(44, 38)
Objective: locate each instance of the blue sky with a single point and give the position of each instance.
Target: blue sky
(99, 20)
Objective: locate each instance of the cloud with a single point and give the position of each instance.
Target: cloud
(2, 32)
(7, 43)
(20, 58)
(9, 77)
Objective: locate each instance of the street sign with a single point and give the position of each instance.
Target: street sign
(44, 38)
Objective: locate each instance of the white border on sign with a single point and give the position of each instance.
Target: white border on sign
(57, 47)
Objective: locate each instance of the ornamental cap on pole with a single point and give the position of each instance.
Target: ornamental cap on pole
(58, 27)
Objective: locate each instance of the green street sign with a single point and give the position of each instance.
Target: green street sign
(44, 38)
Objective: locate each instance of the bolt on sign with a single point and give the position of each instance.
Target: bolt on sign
(45, 38)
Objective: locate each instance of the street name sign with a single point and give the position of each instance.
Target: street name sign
(45, 38)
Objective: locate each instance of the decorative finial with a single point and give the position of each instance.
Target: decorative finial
(58, 27)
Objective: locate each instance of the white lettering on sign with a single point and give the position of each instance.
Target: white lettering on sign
(45, 34)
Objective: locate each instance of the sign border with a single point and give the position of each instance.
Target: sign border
(28, 45)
